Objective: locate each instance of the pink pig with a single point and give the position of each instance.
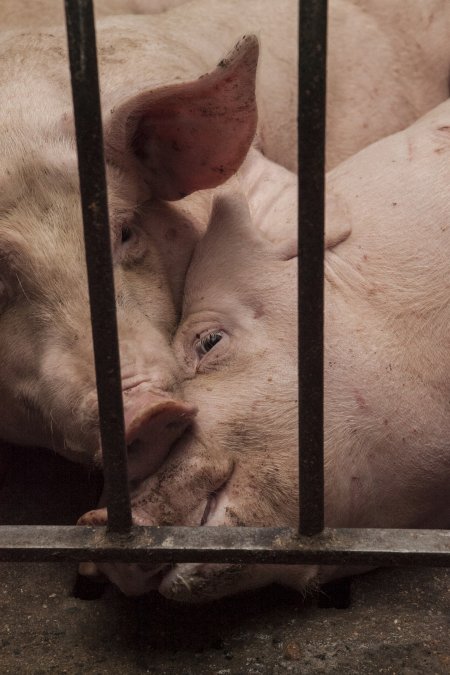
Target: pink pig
(387, 367)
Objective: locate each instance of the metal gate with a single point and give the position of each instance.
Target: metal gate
(119, 540)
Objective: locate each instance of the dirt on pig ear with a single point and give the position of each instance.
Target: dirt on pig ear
(191, 136)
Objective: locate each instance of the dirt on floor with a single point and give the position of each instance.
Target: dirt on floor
(386, 621)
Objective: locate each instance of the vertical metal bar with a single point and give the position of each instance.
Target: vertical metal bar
(312, 81)
(91, 167)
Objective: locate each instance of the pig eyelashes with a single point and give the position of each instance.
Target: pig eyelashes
(207, 342)
(202, 350)
(129, 246)
(126, 234)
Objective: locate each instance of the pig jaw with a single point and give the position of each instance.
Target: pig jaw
(202, 582)
(173, 497)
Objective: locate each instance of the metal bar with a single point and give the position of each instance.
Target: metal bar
(91, 167)
(227, 544)
(311, 146)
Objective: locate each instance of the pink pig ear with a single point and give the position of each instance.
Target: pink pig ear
(192, 136)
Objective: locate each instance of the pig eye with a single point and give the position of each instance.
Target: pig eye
(126, 234)
(129, 246)
(208, 342)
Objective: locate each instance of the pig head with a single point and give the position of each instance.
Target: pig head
(387, 367)
(162, 144)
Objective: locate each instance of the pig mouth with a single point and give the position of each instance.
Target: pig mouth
(158, 577)
(140, 578)
(212, 502)
(173, 575)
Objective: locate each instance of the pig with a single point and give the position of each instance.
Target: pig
(387, 367)
(153, 164)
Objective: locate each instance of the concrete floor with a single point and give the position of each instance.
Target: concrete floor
(397, 621)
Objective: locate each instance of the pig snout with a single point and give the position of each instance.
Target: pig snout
(153, 423)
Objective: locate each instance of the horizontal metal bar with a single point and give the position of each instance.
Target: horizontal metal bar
(311, 182)
(91, 167)
(227, 544)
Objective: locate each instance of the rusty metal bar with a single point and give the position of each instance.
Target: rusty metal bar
(91, 167)
(311, 179)
(227, 544)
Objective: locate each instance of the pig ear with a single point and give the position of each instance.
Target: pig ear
(288, 249)
(337, 228)
(192, 136)
(337, 222)
(231, 224)
(231, 219)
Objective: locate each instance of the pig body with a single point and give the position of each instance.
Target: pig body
(387, 367)
(388, 64)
